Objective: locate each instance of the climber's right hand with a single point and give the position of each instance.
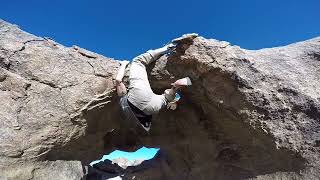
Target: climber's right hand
(172, 105)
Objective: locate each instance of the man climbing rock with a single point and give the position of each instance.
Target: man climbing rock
(140, 103)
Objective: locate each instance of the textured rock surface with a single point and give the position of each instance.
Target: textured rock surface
(63, 170)
(249, 114)
(46, 90)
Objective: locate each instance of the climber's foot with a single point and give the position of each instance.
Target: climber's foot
(169, 48)
(190, 36)
(124, 63)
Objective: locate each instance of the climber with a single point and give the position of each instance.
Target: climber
(140, 103)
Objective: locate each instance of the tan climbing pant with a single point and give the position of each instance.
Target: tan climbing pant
(140, 93)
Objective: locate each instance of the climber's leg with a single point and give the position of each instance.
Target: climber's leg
(140, 91)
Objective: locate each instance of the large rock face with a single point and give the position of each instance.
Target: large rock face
(248, 115)
(46, 90)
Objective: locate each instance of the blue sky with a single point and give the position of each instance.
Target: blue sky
(124, 28)
(142, 153)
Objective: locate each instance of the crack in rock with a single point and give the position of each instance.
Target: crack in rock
(8, 65)
(85, 52)
(51, 84)
(94, 71)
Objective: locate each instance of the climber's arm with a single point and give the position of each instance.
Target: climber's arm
(157, 53)
(121, 88)
(170, 94)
